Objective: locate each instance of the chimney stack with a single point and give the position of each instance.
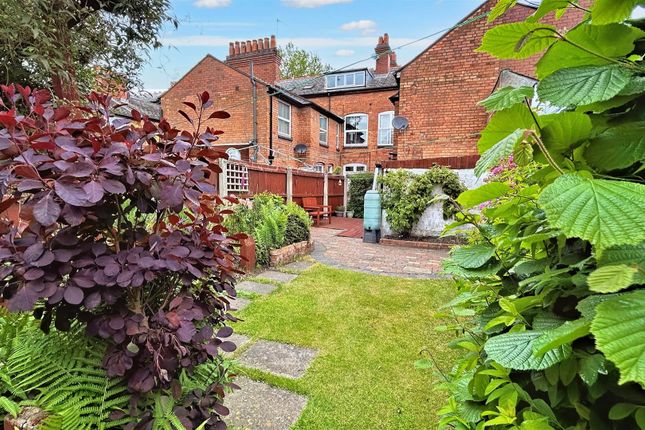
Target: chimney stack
(386, 59)
(263, 53)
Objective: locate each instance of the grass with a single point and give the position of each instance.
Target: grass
(368, 330)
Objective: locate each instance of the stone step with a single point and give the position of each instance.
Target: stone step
(259, 406)
(256, 287)
(279, 358)
(239, 303)
(277, 276)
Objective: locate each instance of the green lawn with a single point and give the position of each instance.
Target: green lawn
(368, 331)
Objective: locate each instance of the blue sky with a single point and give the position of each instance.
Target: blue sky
(340, 31)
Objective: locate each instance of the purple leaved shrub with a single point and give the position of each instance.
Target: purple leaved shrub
(120, 230)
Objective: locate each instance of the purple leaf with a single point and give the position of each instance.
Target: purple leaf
(45, 260)
(33, 252)
(46, 211)
(112, 186)
(227, 346)
(30, 184)
(72, 194)
(33, 274)
(172, 195)
(94, 191)
(81, 169)
(73, 295)
(93, 300)
(24, 300)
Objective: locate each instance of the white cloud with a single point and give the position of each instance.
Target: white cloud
(300, 42)
(312, 3)
(366, 26)
(212, 3)
(344, 53)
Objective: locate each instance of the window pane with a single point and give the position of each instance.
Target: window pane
(356, 122)
(323, 123)
(384, 137)
(349, 79)
(356, 138)
(360, 168)
(360, 78)
(284, 111)
(340, 80)
(323, 137)
(331, 81)
(283, 127)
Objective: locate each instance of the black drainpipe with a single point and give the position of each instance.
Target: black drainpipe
(271, 157)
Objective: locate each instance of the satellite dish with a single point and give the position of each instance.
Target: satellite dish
(234, 154)
(400, 122)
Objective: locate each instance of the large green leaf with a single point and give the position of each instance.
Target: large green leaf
(486, 271)
(473, 256)
(625, 254)
(547, 6)
(610, 279)
(565, 129)
(617, 147)
(500, 9)
(606, 213)
(583, 85)
(507, 97)
(608, 11)
(497, 152)
(619, 329)
(608, 41)
(515, 351)
(485, 193)
(562, 335)
(518, 39)
(590, 367)
(503, 123)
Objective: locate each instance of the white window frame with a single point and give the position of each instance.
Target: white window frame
(362, 73)
(354, 166)
(319, 167)
(287, 120)
(366, 130)
(324, 130)
(382, 129)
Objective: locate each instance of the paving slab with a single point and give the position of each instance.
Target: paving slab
(239, 303)
(299, 265)
(238, 339)
(258, 406)
(277, 276)
(279, 358)
(256, 287)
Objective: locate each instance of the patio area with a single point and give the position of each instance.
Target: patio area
(339, 245)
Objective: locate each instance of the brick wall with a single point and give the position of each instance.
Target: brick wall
(439, 90)
(370, 102)
(232, 91)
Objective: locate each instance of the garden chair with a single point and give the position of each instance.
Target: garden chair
(316, 211)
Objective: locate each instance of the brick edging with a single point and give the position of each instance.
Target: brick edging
(416, 244)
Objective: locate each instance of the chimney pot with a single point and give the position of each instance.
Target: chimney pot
(237, 48)
(266, 43)
(273, 44)
(260, 44)
(231, 48)
(386, 39)
(255, 45)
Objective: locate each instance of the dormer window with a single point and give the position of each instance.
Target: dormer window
(346, 80)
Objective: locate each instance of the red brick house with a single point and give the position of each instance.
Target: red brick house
(440, 88)
(267, 123)
(362, 97)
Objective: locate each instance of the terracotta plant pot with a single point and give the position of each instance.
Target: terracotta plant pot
(247, 252)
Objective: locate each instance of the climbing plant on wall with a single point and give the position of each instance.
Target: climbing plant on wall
(551, 310)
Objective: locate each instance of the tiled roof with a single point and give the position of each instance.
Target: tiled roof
(310, 85)
(145, 105)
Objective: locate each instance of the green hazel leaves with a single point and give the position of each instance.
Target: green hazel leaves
(608, 11)
(565, 129)
(485, 193)
(619, 329)
(589, 45)
(583, 85)
(547, 6)
(606, 213)
(617, 147)
(502, 124)
(507, 97)
(515, 351)
(518, 40)
(610, 279)
(501, 150)
(473, 256)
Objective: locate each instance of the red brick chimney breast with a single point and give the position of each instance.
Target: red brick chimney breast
(263, 53)
(384, 56)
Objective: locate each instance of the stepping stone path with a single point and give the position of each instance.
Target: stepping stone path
(277, 276)
(258, 406)
(240, 303)
(299, 265)
(279, 358)
(256, 287)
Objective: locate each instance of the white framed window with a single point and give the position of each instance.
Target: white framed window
(284, 119)
(348, 169)
(346, 80)
(330, 168)
(324, 127)
(319, 167)
(356, 129)
(385, 129)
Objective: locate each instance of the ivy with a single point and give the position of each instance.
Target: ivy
(550, 312)
(407, 195)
